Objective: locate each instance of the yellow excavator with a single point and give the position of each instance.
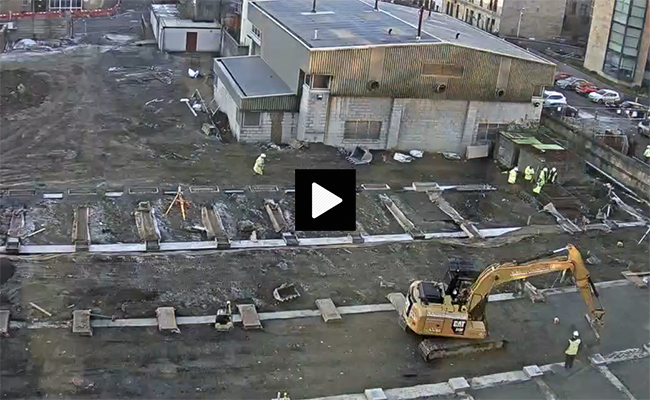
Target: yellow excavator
(456, 308)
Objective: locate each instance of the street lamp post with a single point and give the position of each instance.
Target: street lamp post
(521, 14)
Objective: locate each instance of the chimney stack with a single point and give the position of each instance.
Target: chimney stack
(313, 7)
(376, 5)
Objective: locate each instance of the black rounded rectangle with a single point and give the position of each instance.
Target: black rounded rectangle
(326, 200)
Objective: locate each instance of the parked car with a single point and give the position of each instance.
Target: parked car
(570, 111)
(604, 95)
(632, 109)
(586, 88)
(561, 76)
(577, 83)
(552, 99)
(644, 128)
(565, 83)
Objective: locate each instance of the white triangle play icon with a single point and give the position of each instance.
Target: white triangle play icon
(322, 200)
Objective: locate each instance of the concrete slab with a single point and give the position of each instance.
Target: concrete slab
(4, 322)
(458, 384)
(582, 382)
(166, 317)
(634, 375)
(249, 316)
(81, 322)
(517, 391)
(328, 310)
(532, 371)
(398, 300)
(375, 394)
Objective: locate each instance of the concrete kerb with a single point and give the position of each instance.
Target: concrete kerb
(278, 315)
(457, 386)
(272, 243)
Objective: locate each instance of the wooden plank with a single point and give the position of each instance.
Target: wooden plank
(81, 228)
(406, 224)
(634, 278)
(249, 316)
(276, 216)
(214, 225)
(147, 226)
(328, 310)
(466, 226)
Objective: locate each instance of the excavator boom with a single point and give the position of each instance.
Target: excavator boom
(498, 274)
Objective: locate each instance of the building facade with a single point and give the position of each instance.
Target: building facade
(17, 6)
(324, 77)
(577, 20)
(619, 41)
(539, 19)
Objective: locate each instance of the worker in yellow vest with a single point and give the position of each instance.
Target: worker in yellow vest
(646, 153)
(543, 176)
(512, 176)
(529, 173)
(259, 164)
(572, 351)
(552, 176)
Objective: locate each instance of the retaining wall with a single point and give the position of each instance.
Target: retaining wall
(632, 173)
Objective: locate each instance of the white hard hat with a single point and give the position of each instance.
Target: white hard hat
(263, 155)
(576, 334)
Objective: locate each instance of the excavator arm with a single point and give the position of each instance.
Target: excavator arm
(498, 274)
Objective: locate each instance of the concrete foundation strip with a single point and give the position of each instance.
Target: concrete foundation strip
(273, 243)
(281, 315)
(457, 386)
(613, 379)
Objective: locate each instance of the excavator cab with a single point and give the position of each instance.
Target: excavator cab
(460, 276)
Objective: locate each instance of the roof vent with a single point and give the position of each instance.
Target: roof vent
(500, 92)
(372, 85)
(315, 34)
(439, 87)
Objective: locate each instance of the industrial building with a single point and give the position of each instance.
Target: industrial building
(176, 32)
(619, 41)
(350, 73)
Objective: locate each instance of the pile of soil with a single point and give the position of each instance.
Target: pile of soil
(14, 97)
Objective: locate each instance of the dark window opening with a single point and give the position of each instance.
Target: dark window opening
(251, 118)
(320, 81)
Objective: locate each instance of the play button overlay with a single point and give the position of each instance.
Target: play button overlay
(322, 200)
(325, 200)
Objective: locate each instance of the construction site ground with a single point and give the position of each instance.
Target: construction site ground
(74, 127)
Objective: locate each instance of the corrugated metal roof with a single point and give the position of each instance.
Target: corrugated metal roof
(254, 77)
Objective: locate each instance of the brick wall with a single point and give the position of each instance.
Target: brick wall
(358, 109)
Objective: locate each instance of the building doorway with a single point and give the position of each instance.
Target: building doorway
(190, 41)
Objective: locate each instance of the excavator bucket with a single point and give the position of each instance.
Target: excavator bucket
(359, 156)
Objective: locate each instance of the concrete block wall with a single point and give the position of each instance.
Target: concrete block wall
(435, 125)
(228, 106)
(484, 112)
(312, 121)
(262, 133)
(358, 109)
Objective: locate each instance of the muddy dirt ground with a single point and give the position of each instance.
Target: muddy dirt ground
(73, 125)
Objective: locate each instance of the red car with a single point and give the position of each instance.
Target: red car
(561, 75)
(586, 88)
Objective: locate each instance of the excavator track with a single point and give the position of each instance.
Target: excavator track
(438, 348)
